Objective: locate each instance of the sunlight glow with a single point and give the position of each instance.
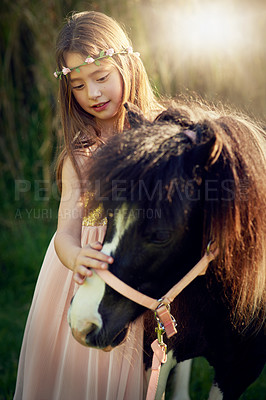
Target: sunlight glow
(209, 27)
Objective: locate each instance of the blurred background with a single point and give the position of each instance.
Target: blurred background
(215, 48)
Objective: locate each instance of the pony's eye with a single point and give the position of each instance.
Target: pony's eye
(160, 237)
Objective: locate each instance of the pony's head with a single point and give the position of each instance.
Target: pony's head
(167, 189)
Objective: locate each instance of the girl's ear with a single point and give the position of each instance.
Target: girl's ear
(135, 115)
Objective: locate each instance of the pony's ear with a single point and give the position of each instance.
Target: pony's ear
(174, 116)
(135, 115)
(209, 146)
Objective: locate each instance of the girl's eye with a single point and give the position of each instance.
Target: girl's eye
(78, 87)
(102, 79)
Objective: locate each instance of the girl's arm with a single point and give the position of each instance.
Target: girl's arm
(68, 235)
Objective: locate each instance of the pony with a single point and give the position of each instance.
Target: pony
(195, 174)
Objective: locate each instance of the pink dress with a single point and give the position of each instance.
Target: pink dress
(53, 365)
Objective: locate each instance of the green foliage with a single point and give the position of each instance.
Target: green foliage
(30, 128)
(23, 246)
(201, 381)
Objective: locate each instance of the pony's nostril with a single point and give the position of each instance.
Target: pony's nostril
(83, 335)
(92, 328)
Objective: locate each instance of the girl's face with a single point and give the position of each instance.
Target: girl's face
(97, 89)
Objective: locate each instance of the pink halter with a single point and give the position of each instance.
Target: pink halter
(166, 322)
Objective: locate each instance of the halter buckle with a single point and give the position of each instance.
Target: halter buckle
(166, 322)
(160, 332)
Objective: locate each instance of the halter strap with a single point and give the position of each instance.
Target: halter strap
(199, 269)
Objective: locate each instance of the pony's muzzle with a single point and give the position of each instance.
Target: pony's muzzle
(83, 316)
(81, 337)
(81, 329)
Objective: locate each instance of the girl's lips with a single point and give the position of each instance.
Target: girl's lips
(100, 106)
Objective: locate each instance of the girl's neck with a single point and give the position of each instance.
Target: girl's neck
(107, 128)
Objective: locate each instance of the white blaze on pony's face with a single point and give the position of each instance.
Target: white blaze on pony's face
(122, 221)
(83, 314)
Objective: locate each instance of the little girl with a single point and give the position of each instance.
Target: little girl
(98, 72)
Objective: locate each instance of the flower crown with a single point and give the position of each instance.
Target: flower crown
(89, 60)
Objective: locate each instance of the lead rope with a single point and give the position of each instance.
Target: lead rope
(159, 357)
(159, 347)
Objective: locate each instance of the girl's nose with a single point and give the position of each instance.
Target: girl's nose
(94, 92)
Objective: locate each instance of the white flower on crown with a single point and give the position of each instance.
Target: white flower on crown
(110, 52)
(66, 70)
(89, 60)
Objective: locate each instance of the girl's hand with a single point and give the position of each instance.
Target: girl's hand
(90, 256)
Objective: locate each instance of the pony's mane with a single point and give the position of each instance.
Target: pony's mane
(235, 220)
(238, 224)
